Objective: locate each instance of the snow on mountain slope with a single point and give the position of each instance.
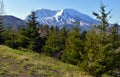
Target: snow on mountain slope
(45, 13)
(64, 17)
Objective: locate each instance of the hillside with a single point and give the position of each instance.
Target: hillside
(15, 63)
(10, 21)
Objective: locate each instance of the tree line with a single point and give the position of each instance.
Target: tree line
(95, 51)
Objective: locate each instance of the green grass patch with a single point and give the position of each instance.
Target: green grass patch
(16, 63)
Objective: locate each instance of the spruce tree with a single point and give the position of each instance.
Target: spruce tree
(1, 22)
(31, 37)
(12, 38)
(103, 20)
(114, 35)
(54, 43)
(100, 56)
(97, 58)
(73, 47)
(1, 30)
(64, 35)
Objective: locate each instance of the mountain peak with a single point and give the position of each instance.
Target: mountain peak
(63, 17)
(44, 13)
(59, 13)
(70, 10)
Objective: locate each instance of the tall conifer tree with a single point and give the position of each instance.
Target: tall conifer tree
(54, 43)
(73, 47)
(100, 56)
(1, 21)
(31, 37)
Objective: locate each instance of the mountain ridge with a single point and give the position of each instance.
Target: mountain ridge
(63, 17)
(59, 18)
(10, 21)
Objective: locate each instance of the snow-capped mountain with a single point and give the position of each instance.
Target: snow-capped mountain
(60, 18)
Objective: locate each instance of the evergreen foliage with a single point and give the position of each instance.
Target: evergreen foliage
(1, 30)
(31, 37)
(103, 19)
(12, 38)
(73, 47)
(99, 54)
(1, 22)
(55, 42)
(114, 35)
(97, 58)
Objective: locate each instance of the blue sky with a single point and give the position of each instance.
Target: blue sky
(21, 8)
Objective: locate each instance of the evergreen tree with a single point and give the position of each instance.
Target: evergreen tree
(54, 43)
(1, 30)
(31, 37)
(103, 19)
(114, 35)
(73, 48)
(98, 57)
(99, 54)
(64, 35)
(1, 22)
(12, 38)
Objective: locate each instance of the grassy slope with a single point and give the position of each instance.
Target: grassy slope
(15, 63)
